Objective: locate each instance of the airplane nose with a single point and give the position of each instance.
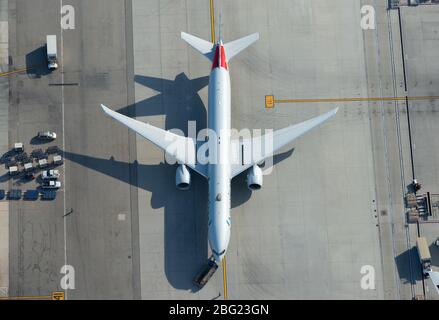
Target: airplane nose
(218, 258)
(219, 236)
(218, 247)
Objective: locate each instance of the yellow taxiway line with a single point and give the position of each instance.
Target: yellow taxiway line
(12, 72)
(26, 298)
(56, 295)
(212, 21)
(226, 295)
(356, 99)
(270, 101)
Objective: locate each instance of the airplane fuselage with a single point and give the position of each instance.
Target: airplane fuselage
(219, 122)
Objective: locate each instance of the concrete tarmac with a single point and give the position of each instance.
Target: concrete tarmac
(89, 226)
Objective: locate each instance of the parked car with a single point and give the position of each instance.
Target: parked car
(48, 194)
(47, 135)
(50, 175)
(31, 195)
(51, 184)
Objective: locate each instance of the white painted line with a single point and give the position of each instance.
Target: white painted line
(64, 145)
(4, 248)
(4, 143)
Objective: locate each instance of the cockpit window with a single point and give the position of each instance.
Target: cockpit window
(219, 254)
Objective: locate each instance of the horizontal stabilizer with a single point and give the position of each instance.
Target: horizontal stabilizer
(235, 47)
(202, 46)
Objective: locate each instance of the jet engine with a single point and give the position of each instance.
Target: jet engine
(254, 178)
(182, 177)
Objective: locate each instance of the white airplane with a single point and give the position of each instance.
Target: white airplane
(218, 173)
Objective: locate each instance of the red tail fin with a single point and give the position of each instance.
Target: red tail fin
(219, 59)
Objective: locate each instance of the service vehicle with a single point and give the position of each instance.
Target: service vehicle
(50, 175)
(52, 55)
(51, 184)
(46, 135)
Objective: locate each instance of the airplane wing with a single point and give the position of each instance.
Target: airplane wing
(182, 148)
(280, 138)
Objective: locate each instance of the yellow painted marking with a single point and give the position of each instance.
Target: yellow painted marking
(58, 295)
(26, 298)
(225, 278)
(12, 72)
(357, 99)
(212, 21)
(269, 102)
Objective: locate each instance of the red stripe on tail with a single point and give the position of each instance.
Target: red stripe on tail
(219, 59)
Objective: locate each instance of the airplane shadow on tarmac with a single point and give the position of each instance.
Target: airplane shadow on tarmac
(185, 212)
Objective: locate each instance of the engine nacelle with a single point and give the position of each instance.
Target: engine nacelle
(182, 177)
(254, 178)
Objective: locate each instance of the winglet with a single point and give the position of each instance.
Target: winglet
(104, 108)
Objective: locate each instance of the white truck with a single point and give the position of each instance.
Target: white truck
(50, 184)
(424, 254)
(52, 56)
(50, 175)
(425, 260)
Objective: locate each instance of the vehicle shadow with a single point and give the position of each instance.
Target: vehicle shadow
(37, 141)
(185, 212)
(408, 266)
(5, 177)
(36, 63)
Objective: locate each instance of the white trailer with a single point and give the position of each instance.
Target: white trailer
(42, 163)
(425, 260)
(28, 166)
(52, 56)
(57, 160)
(18, 147)
(424, 254)
(13, 170)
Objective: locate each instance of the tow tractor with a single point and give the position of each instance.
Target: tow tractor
(206, 273)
